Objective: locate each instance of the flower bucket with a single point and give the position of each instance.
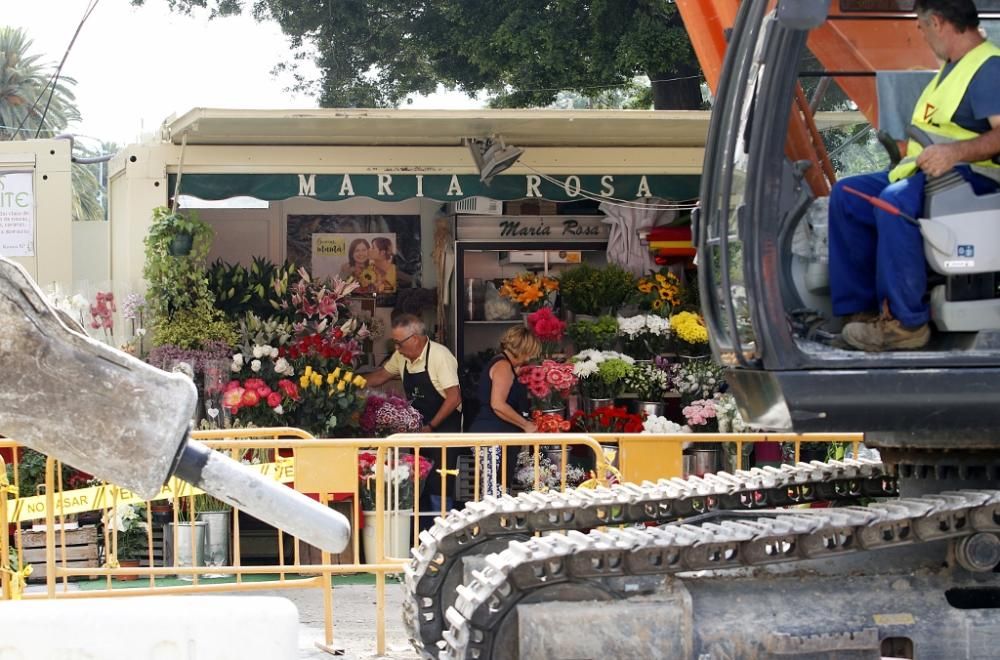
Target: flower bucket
(705, 462)
(648, 408)
(183, 549)
(589, 405)
(218, 533)
(396, 534)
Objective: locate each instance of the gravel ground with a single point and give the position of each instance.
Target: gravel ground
(353, 621)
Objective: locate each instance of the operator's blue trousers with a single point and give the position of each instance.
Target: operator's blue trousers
(876, 256)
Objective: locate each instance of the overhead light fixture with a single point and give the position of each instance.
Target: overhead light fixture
(492, 156)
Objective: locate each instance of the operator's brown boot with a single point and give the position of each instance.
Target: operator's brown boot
(885, 334)
(860, 317)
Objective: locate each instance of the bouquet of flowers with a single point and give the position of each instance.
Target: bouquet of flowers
(661, 425)
(648, 381)
(547, 328)
(607, 419)
(548, 383)
(528, 290)
(549, 475)
(728, 415)
(659, 293)
(317, 304)
(254, 402)
(702, 416)
(601, 374)
(689, 329)
(696, 379)
(330, 402)
(385, 415)
(645, 335)
(600, 334)
(399, 475)
(550, 422)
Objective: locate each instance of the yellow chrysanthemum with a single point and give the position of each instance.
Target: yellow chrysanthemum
(689, 328)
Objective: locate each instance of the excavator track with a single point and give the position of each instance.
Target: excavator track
(435, 571)
(610, 561)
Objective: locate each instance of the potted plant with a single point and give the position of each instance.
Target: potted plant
(690, 333)
(615, 287)
(650, 383)
(177, 232)
(548, 384)
(658, 293)
(128, 523)
(579, 288)
(601, 376)
(645, 335)
(600, 333)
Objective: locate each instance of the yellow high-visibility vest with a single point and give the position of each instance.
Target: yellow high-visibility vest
(937, 105)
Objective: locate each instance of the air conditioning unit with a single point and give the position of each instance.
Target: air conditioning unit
(476, 206)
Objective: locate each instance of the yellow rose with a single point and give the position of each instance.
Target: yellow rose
(303, 381)
(336, 373)
(359, 381)
(308, 371)
(348, 376)
(330, 379)
(341, 385)
(317, 380)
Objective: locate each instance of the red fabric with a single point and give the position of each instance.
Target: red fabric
(670, 234)
(768, 451)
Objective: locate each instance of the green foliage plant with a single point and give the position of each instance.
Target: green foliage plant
(579, 288)
(601, 334)
(615, 287)
(183, 307)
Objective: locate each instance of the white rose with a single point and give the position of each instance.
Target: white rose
(278, 410)
(255, 366)
(274, 351)
(281, 366)
(258, 351)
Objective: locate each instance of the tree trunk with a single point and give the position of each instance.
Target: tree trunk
(680, 89)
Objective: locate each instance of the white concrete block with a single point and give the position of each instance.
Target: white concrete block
(150, 628)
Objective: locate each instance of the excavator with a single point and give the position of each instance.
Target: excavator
(723, 566)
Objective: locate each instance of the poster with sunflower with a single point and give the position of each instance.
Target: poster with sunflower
(322, 244)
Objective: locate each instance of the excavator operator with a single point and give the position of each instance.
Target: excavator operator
(878, 275)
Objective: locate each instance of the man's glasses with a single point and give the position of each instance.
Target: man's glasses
(400, 342)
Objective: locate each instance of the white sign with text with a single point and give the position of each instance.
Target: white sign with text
(17, 214)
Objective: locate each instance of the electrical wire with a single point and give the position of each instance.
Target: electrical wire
(54, 80)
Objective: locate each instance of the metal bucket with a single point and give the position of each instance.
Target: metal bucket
(648, 408)
(218, 535)
(589, 405)
(705, 461)
(183, 549)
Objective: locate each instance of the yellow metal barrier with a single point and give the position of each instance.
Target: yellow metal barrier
(327, 466)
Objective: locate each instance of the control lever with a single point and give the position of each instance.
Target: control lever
(107, 413)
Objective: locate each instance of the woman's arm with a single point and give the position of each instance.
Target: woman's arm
(502, 376)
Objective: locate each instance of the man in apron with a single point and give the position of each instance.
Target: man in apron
(430, 379)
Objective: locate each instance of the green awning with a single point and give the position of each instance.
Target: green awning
(440, 187)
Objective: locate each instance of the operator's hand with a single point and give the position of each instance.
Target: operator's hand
(531, 427)
(426, 428)
(938, 159)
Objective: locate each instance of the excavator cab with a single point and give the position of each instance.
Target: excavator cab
(764, 188)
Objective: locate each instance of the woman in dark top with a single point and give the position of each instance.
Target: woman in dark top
(503, 399)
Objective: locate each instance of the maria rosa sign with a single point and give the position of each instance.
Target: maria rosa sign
(441, 187)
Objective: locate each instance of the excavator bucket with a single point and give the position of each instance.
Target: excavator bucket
(107, 413)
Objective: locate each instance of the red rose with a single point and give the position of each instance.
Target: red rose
(274, 399)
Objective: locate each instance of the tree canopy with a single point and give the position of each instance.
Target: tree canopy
(374, 53)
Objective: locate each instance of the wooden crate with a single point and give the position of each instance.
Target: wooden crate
(310, 555)
(81, 550)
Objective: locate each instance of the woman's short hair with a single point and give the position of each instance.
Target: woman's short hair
(520, 343)
(382, 244)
